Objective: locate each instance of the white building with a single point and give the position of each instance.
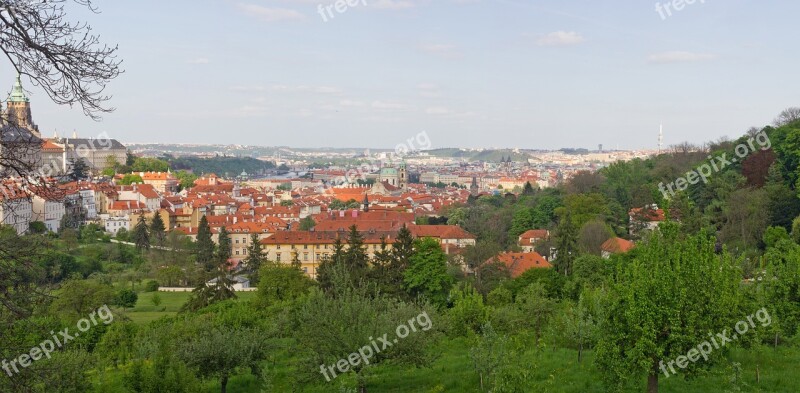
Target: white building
(15, 211)
(48, 210)
(112, 224)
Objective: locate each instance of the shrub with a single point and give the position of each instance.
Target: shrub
(126, 298)
(151, 286)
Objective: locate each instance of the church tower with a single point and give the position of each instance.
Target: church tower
(403, 176)
(18, 110)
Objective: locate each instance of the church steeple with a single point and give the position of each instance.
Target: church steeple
(17, 92)
(366, 203)
(18, 108)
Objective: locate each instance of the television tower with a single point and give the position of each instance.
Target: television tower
(660, 137)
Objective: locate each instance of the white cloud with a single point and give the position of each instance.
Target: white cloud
(269, 14)
(560, 38)
(679, 57)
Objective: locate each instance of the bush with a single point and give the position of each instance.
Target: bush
(151, 286)
(126, 298)
(468, 313)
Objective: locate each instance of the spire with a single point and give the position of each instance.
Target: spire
(17, 92)
(366, 203)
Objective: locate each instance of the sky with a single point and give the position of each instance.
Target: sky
(469, 73)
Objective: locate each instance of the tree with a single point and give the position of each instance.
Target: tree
(186, 179)
(78, 298)
(157, 229)
(220, 288)
(255, 257)
(528, 189)
(426, 275)
(224, 249)
(307, 223)
(468, 313)
(147, 164)
(155, 299)
(489, 355)
(788, 115)
(355, 258)
(204, 246)
(79, 169)
(220, 351)
(37, 227)
(281, 283)
(653, 318)
(141, 235)
(566, 244)
(534, 303)
(334, 327)
(130, 179)
(126, 298)
(592, 236)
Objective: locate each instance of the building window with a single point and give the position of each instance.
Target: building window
(278, 257)
(305, 246)
(305, 256)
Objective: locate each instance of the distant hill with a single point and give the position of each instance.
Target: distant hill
(221, 165)
(482, 155)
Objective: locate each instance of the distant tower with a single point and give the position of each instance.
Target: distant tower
(473, 188)
(403, 175)
(18, 112)
(600, 148)
(660, 137)
(366, 203)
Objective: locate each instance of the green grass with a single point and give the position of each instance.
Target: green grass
(551, 371)
(144, 312)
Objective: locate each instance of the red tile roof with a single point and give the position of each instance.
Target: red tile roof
(520, 262)
(617, 245)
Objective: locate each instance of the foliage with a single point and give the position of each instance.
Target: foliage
(344, 326)
(652, 317)
(130, 179)
(280, 283)
(151, 286)
(141, 235)
(126, 298)
(204, 246)
(468, 313)
(426, 275)
(147, 164)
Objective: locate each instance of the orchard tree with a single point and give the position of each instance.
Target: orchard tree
(221, 351)
(335, 327)
(671, 293)
(426, 275)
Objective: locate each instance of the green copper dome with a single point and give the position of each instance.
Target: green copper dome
(17, 93)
